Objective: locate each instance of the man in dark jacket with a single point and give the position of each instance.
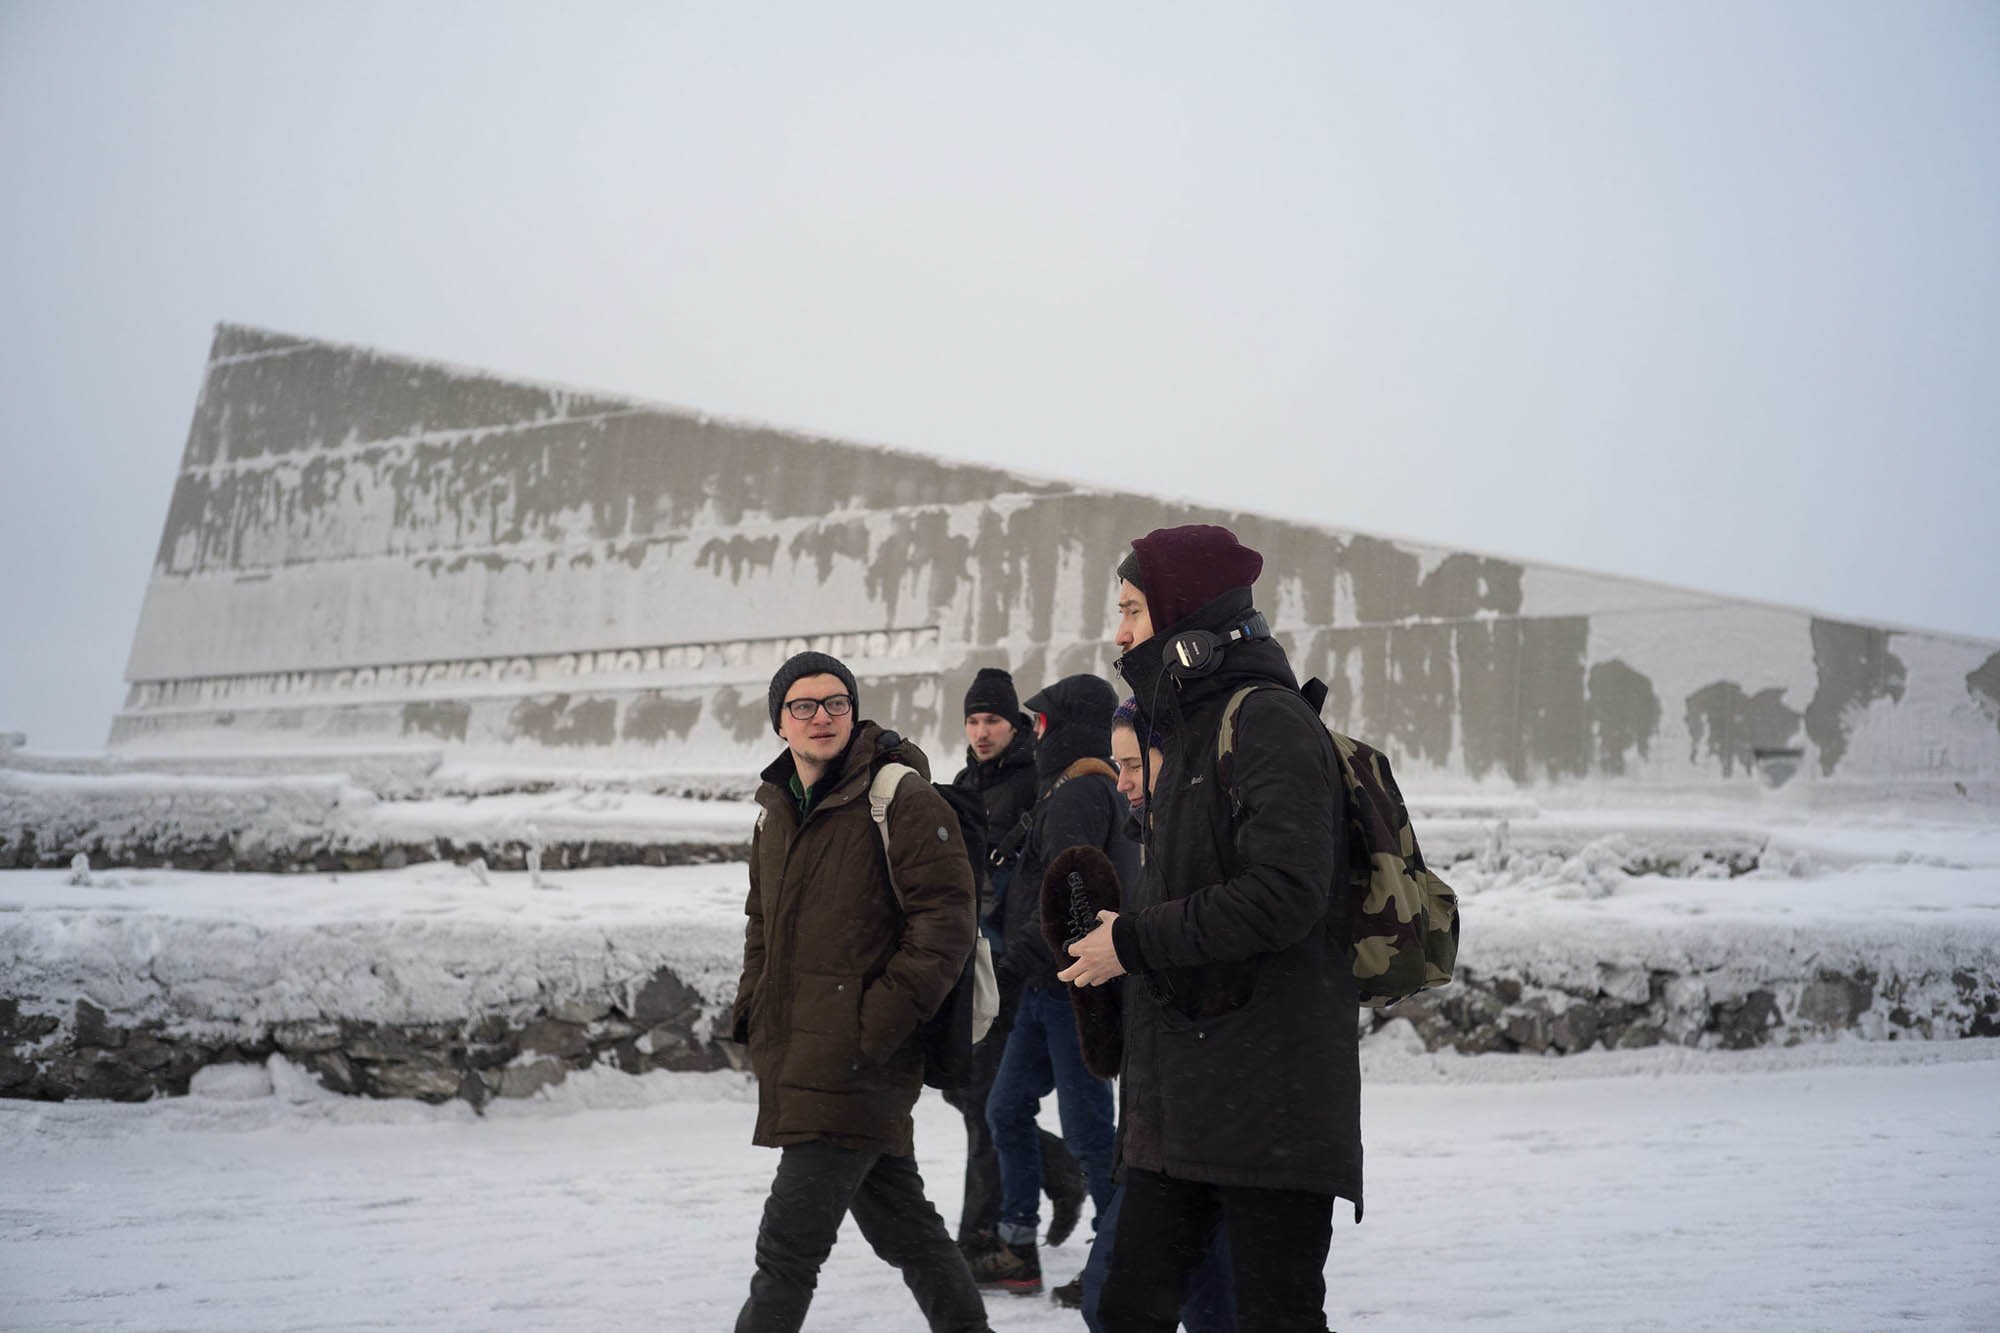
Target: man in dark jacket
(840, 966)
(1241, 1084)
(999, 753)
(1079, 805)
(1000, 770)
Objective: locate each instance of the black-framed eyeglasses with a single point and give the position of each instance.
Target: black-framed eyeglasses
(836, 705)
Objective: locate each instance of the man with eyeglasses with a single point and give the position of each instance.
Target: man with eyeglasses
(840, 966)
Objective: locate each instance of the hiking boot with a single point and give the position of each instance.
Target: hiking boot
(1065, 1211)
(1070, 1294)
(1016, 1268)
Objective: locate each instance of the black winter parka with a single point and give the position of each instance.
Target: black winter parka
(1006, 782)
(1241, 1062)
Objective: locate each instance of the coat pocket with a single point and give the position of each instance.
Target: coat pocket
(887, 1023)
(1252, 1089)
(824, 1050)
(1216, 1076)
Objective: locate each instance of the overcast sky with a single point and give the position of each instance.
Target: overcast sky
(1707, 294)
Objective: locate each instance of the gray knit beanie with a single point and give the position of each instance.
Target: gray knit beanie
(809, 664)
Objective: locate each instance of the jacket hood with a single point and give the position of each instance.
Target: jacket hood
(1163, 701)
(1079, 710)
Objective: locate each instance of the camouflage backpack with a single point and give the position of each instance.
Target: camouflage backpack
(1405, 919)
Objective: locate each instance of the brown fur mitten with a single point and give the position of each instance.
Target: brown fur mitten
(1070, 911)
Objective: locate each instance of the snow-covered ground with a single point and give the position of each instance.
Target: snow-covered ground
(1838, 1185)
(1846, 1187)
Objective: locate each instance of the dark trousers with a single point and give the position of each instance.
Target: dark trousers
(816, 1186)
(1061, 1177)
(1211, 1302)
(1277, 1248)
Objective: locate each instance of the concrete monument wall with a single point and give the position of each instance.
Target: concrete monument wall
(366, 552)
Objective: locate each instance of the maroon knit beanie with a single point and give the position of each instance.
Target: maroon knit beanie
(1183, 569)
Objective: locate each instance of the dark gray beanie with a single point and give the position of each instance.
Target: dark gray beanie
(809, 664)
(1128, 570)
(993, 692)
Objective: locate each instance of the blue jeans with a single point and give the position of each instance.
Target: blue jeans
(1211, 1299)
(1043, 1055)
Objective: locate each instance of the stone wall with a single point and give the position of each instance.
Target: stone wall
(175, 851)
(1633, 1008)
(660, 1026)
(85, 1054)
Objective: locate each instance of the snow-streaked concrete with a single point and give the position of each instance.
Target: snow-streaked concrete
(370, 549)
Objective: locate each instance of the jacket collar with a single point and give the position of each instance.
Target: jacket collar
(1165, 703)
(846, 779)
(1020, 752)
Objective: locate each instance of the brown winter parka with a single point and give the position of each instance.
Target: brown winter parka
(837, 975)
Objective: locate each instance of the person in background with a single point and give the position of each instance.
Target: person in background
(1137, 772)
(1000, 770)
(1078, 806)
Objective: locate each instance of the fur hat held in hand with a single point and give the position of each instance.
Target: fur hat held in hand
(1099, 1013)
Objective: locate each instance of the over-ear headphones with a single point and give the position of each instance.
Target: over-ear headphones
(1194, 653)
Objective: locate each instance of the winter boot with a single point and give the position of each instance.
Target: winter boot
(1065, 1211)
(977, 1243)
(1063, 1182)
(1070, 1294)
(1016, 1268)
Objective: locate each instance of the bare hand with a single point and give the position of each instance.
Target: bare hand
(1096, 959)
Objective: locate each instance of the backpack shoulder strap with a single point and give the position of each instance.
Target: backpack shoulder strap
(1225, 735)
(881, 791)
(985, 991)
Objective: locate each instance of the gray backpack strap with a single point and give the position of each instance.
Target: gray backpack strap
(985, 987)
(881, 792)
